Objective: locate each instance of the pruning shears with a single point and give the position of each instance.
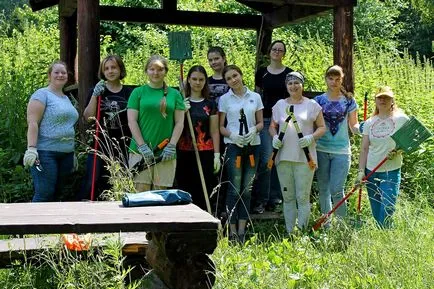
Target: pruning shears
(280, 137)
(38, 165)
(290, 112)
(244, 128)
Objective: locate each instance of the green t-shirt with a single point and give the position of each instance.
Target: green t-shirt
(153, 126)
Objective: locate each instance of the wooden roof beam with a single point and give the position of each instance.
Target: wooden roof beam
(292, 14)
(37, 5)
(321, 3)
(191, 18)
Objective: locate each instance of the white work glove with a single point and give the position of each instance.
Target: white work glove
(237, 139)
(360, 176)
(187, 103)
(148, 155)
(30, 156)
(99, 88)
(277, 143)
(250, 136)
(306, 141)
(217, 163)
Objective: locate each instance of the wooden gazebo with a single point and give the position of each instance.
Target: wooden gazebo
(87, 14)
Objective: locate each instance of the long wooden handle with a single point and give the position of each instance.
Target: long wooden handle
(196, 150)
(309, 158)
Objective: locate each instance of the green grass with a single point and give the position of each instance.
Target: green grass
(343, 257)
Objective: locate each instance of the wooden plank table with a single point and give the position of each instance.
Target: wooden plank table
(180, 237)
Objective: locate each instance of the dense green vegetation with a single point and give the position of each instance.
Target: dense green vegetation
(346, 258)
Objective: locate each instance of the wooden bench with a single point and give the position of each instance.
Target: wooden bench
(180, 237)
(21, 249)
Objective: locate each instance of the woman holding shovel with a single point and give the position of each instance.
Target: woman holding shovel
(334, 152)
(304, 124)
(383, 185)
(108, 100)
(242, 109)
(155, 113)
(203, 112)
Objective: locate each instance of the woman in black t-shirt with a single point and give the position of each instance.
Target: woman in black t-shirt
(203, 112)
(270, 83)
(114, 134)
(217, 83)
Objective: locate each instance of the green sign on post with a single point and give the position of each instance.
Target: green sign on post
(180, 45)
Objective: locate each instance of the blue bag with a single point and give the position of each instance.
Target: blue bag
(156, 198)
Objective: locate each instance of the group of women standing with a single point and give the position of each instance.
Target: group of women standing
(308, 135)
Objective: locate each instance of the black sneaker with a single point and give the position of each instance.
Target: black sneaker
(270, 207)
(258, 209)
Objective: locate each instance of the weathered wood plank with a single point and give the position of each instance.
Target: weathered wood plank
(325, 3)
(101, 217)
(193, 18)
(134, 243)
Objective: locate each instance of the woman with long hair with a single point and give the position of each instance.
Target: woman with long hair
(270, 83)
(239, 103)
(204, 116)
(383, 185)
(334, 152)
(155, 113)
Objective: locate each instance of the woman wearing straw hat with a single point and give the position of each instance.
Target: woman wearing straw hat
(294, 172)
(383, 185)
(334, 152)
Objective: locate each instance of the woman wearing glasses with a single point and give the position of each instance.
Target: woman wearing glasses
(270, 84)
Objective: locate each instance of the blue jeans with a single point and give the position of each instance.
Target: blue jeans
(383, 190)
(56, 166)
(331, 174)
(267, 183)
(240, 181)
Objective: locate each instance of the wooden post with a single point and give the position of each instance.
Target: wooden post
(88, 16)
(263, 40)
(68, 43)
(343, 43)
(181, 259)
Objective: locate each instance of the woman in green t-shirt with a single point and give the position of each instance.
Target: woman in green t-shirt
(155, 113)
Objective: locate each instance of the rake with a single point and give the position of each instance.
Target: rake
(407, 138)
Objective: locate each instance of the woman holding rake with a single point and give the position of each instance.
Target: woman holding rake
(292, 162)
(110, 98)
(383, 185)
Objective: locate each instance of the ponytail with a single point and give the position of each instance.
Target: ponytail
(163, 101)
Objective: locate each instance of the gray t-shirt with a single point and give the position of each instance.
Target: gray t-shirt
(56, 129)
